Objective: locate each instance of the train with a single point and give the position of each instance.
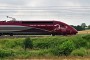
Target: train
(36, 28)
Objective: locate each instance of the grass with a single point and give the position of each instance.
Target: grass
(48, 46)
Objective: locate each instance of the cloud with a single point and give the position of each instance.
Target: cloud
(69, 11)
(13, 2)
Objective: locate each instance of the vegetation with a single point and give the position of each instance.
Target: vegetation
(79, 52)
(78, 45)
(88, 26)
(81, 27)
(27, 43)
(78, 27)
(64, 49)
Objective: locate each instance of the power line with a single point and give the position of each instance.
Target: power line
(41, 8)
(45, 15)
(44, 10)
(46, 6)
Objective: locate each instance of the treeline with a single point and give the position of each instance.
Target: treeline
(81, 27)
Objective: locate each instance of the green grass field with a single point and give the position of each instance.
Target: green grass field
(47, 46)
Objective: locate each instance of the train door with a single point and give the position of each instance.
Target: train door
(63, 29)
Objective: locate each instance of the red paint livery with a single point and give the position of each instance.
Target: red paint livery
(35, 27)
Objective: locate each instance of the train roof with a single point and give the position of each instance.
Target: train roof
(27, 21)
(33, 21)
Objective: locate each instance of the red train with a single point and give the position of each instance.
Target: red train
(35, 28)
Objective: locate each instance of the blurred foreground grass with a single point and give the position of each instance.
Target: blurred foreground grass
(52, 47)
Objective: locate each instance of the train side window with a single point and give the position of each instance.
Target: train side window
(27, 22)
(62, 25)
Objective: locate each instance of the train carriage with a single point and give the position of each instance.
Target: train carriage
(35, 28)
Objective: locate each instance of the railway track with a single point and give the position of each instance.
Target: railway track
(22, 36)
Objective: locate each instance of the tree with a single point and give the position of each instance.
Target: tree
(78, 27)
(83, 25)
(88, 26)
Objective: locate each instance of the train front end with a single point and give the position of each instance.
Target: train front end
(61, 28)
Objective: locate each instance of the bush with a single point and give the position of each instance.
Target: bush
(41, 53)
(87, 37)
(79, 52)
(56, 42)
(10, 44)
(13, 43)
(42, 45)
(88, 45)
(6, 53)
(45, 43)
(79, 42)
(64, 49)
(28, 43)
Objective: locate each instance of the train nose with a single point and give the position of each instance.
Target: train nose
(75, 31)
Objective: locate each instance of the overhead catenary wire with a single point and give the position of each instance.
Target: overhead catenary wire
(46, 12)
(36, 11)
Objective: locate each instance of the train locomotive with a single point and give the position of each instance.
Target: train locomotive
(35, 28)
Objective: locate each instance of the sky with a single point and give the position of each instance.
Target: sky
(72, 12)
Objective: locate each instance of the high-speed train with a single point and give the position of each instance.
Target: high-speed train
(35, 28)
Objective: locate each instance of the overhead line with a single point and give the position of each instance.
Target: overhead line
(46, 6)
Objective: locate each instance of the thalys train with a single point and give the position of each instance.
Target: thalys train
(35, 28)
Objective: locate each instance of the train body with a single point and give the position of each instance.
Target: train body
(35, 28)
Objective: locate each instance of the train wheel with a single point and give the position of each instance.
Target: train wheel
(0, 34)
(11, 34)
(53, 34)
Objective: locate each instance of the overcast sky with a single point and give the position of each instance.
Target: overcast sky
(72, 12)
